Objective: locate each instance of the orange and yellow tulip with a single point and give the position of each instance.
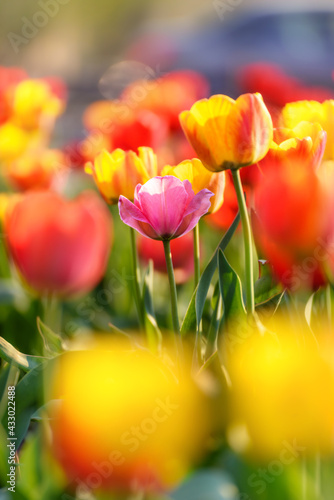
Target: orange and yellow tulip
(119, 172)
(228, 134)
(35, 169)
(200, 178)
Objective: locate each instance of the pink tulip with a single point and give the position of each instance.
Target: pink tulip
(164, 208)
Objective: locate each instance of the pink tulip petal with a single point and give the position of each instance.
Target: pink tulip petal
(188, 187)
(199, 206)
(136, 199)
(133, 217)
(164, 200)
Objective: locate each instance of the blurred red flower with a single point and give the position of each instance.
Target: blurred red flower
(278, 88)
(8, 77)
(293, 223)
(115, 125)
(169, 95)
(182, 250)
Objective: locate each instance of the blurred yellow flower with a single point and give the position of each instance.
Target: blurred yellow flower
(119, 172)
(283, 392)
(200, 178)
(13, 141)
(228, 134)
(35, 105)
(125, 420)
(315, 112)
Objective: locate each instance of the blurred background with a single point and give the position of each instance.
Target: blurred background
(82, 41)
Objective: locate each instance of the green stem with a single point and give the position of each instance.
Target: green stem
(136, 272)
(329, 304)
(172, 288)
(247, 242)
(211, 345)
(317, 478)
(304, 478)
(52, 312)
(197, 266)
(197, 276)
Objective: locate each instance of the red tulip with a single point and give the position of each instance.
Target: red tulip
(9, 77)
(59, 246)
(115, 125)
(293, 217)
(278, 88)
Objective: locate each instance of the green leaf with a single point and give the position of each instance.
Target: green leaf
(230, 289)
(189, 320)
(195, 308)
(151, 326)
(318, 310)
(11, 292)
(267, 309)
(23, 361)
(266, 287)
(53, 343)
(4, 374)
(208, 485)
(209, 271)
(40, 476)
(8, 495)
(212, 336)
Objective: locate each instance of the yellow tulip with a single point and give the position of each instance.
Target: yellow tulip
(315, 112)
(304, 144)
(200, 178)
(126, 420)
(228, 134)
(119, 172)
(283, 391)
(35, 105)
(13, 141)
